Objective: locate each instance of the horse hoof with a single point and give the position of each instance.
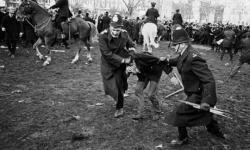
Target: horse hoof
(73, 62)
(46, 63)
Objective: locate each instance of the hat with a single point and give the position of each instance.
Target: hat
(179, 35)
(116, 21)
(11, 9)
(153, 3)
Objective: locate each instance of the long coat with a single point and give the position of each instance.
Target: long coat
(113, 50)
(63, 6)
(152, 15)
(105, 22)
(199, 86)
(229, 37)
(245, 45)
(177, 19)
(12, 26)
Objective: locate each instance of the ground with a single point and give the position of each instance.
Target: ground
(63, 107)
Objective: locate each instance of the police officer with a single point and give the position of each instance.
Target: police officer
(63, 12)
(115, 44)
(177, 18)
(199, 86)
(152, 14)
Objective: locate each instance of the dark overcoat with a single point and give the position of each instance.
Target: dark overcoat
(63, 6)
(152, 15)
(229, 37)
(177, 19)
(105, 22)
(12, 26)
(113, 50)
(199, 86)
(245, 45)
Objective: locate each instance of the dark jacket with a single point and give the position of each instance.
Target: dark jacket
(113, 50)
(177, 19)
(152, 15)
(150, 67)
(89, 19)
(229, 38)
(105, 22)
(199, 86)
(12, 26)
(245, 45)
(63, 6)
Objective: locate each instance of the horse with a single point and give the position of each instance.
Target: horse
(47, 32)
(149, 33)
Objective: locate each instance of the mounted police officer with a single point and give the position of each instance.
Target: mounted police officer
(177, 18)
(152, 14)
(115, 44)
(63, 12)
(199, 86)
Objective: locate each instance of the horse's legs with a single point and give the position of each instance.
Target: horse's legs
(35, 46)
(152, 39)
(144, 45)
(48, 57)
(89, 57)
(148, 44)
(76, 58)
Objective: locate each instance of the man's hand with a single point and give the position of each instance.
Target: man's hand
(205, 106)
(126, 60)
(3, 29)
(165, 58)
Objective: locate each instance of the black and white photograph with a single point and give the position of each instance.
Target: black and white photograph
(124, 75)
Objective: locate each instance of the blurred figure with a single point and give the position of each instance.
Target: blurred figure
(152, 14)
(106, 21)
(2, 14)
(177, 18)
(12, 28)
(87, 18)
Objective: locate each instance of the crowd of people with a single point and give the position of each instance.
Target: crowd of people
(117, 40)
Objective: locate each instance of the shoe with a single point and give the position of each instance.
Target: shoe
(178, 142)
(119, 113)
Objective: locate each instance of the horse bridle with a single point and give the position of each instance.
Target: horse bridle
(36, 27)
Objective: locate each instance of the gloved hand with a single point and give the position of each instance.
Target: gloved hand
(165, 58)
(205, 106)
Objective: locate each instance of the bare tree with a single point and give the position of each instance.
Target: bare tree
(132, 5)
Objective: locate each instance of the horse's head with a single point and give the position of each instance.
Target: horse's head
(25, 9)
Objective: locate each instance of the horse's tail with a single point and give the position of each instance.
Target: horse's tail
(93, 32)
